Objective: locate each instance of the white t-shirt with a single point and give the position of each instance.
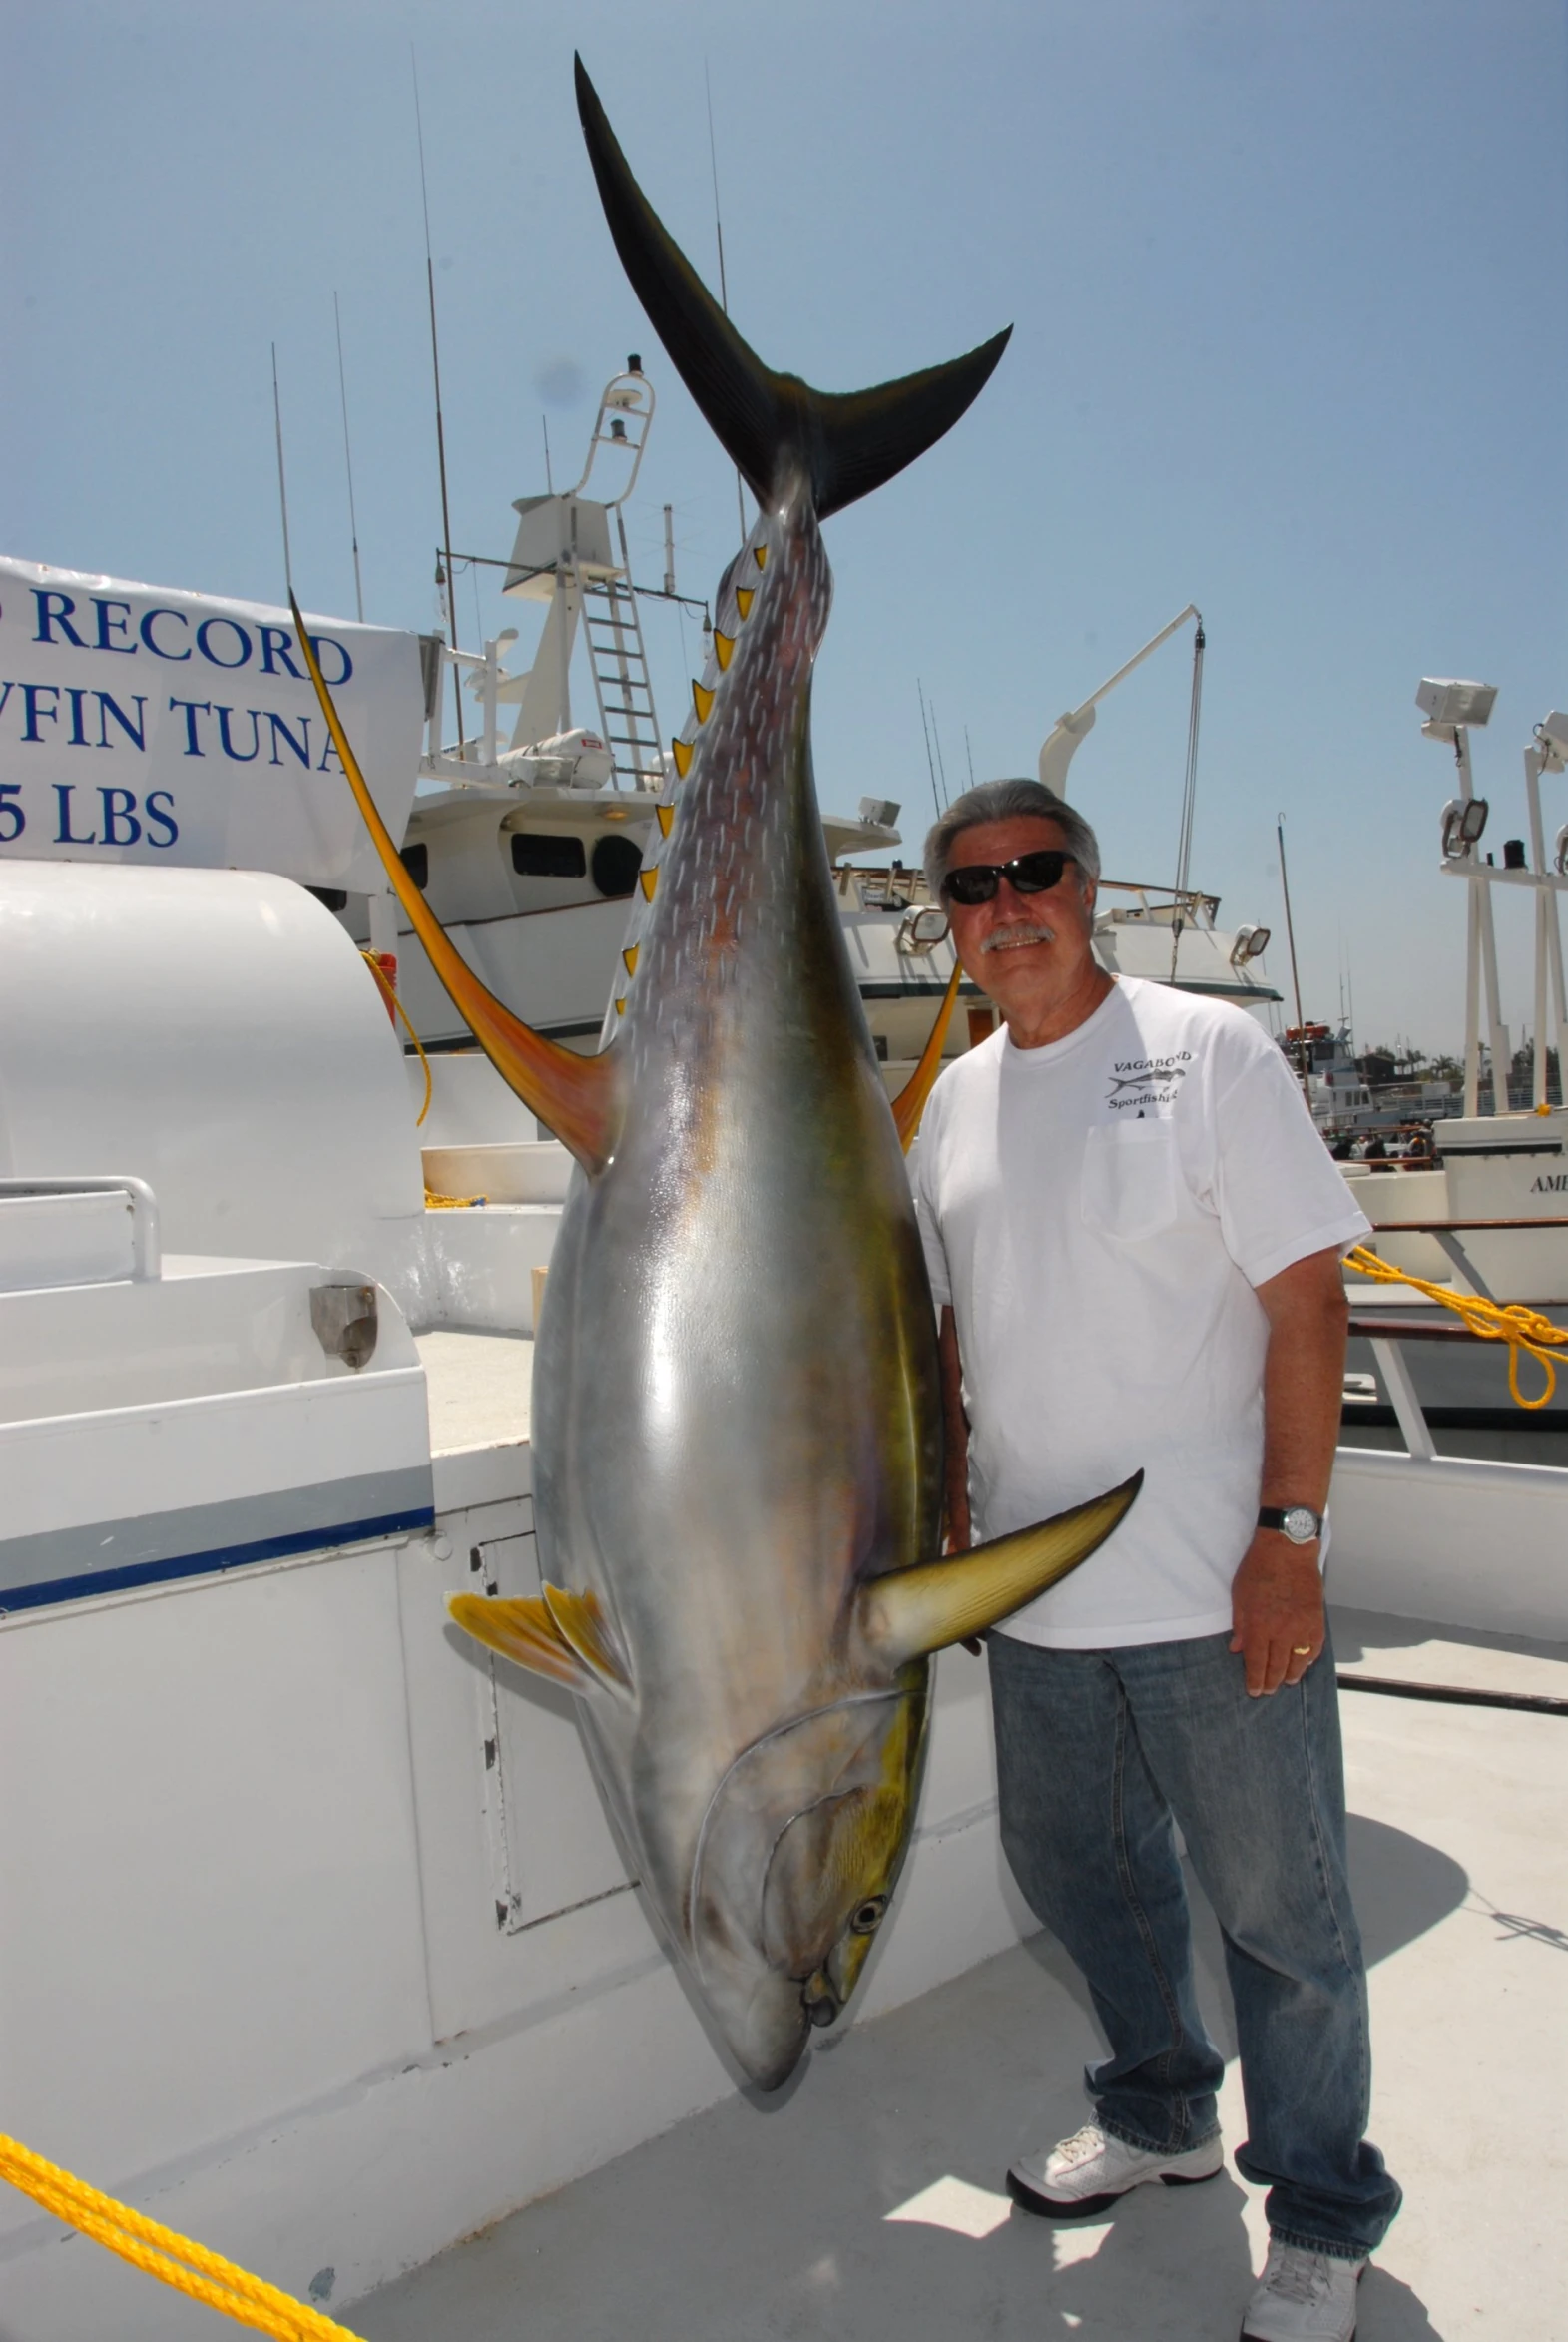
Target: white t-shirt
(1097, 1212)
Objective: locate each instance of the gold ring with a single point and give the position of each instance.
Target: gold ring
(1301, 1650)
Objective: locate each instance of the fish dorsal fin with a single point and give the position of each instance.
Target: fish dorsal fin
(910, 1104)
(524, 1632)
(579, 1622)
(913, 1611)
(769, 423)
(579, 1098)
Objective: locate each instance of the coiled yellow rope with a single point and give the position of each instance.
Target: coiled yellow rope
(176, 2260)
(1494, 1320)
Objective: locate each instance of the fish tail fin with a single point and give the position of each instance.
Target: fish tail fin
(769, 423)
(576, 1097)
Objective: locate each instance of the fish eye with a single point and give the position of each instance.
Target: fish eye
(869, 1915)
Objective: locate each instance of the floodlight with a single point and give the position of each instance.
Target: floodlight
(922, 930)
(1446, 701)
(879, 813)
(1463, 819)
(1553, 736)
(1561, 856)
(1250, 944)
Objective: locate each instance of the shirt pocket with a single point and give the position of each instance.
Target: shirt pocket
(1129, 1180)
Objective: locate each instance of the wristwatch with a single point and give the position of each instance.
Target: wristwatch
(1298, 1522)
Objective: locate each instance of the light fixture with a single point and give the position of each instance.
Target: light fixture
(1250, 944)
(1444, 700)
(922, 930)
(618, 429)
(1553, 736)
(1560, 859)
(1463, 819)
(879, 813)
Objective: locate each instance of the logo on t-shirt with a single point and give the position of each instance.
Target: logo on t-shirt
(1144, 1085)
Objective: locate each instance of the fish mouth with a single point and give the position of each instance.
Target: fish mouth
(820, 2002)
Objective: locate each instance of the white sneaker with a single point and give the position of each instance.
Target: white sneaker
(1303, 2297)
(1088, 2172)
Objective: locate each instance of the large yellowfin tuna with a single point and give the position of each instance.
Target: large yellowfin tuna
(736, 1426)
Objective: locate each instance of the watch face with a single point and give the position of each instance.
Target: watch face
(1299, 1525)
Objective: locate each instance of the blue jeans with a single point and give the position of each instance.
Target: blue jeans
(1096, 1752)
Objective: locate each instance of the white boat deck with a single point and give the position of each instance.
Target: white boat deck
(866, 2202)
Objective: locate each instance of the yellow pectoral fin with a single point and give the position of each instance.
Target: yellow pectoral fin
(579, 1621)
(524, 1632)
(912, 1611)
(579, 1098)
(910, 1104)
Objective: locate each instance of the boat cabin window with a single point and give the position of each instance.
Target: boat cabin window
(537, 857)
(332, 898)
(417, 862)
(615, 865)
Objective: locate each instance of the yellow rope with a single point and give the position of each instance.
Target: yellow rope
(176, 2260)
(379, 973)
(1513, 1322)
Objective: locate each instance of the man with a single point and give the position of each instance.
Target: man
(1134, 1234)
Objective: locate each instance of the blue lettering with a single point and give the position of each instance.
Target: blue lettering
(11, 815)
(204, 642)
(65, 836)
(329, 756)
(5, 693)
(118, 805)
(229, 747)
(325, 642)
(192, 747)
(76, 697)
(108, 707)
(155, 814)
(145, 632)
(165, 820)
(55, 610)
(31, 695)
(301, 748)
(107, 625)
(274, 644)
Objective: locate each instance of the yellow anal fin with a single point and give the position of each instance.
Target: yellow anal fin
(665, 815)
(681, 750)
(701, 700)
(910, 1104)
(524, 1632)
(579, 1621)
(579, 1098)
(911, 1611)
(724, 648)
(629, 957)
(648, 880)
(760, 556)
(744, 596)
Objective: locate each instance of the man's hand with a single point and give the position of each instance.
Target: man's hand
(1276, 1609)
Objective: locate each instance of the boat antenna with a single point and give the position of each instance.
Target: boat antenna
(445, 566)
(1295, 981)
(549, 476)
(349, 461)
(1184, 843)
(283, 485)
(723, 287)
(930, 760)
(941, 761)
(969, 753)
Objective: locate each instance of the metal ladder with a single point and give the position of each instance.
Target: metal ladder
(628, 719)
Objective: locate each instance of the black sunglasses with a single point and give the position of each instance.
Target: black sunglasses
(1026, 874)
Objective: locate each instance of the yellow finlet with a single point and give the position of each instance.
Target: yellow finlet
(724, 648)
(701, 700)
(579, 1098)
(760, 556)
(744, 596)
(665, 815)
(620, 1006)
(910, 1104)
(630, 957)
(648, 880)
(681, 750)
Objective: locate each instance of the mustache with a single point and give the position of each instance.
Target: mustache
(1020, 933)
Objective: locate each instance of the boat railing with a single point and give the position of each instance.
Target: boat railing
(893, 886)
(145, 1247)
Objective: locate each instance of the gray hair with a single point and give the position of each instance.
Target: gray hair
(1008, 801)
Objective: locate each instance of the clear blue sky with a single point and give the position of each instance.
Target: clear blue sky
(1290, 305)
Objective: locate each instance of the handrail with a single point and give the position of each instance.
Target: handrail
(146, 1248)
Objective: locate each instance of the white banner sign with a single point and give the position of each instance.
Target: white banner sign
(144, 726)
